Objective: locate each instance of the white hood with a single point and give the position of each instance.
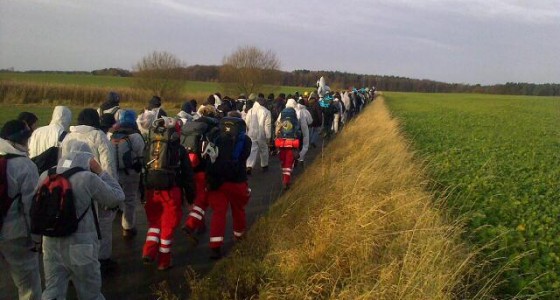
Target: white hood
(61, 116)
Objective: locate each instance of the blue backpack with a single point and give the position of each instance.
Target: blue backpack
(289, 124)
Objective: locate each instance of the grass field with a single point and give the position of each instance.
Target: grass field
(498, 158)
(113, 82)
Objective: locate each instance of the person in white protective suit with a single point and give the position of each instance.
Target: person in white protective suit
(16, 244)
(304, 116)
(129, 178)
(48, 136)
(88, 131)
(347, 105)
(75, 257)
(259, 125)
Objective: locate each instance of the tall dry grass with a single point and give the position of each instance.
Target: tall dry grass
(12, 92)
(358, 224)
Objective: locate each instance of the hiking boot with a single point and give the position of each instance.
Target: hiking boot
(147, 260)
(215, 253)
(165, 264)
(129, 233)
(191, 238)
(265, 169)
(249, 169)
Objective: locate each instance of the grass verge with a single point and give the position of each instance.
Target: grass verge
(358, 224)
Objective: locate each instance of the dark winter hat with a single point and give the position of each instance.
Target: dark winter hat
(210, 100)
(270, 96)
(187, 107)
(28, 118)
(89, 117)
(155, 102)
(107, 121)
(113, 97)
(15, 131)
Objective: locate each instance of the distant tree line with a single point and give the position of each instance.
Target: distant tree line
(344, 80)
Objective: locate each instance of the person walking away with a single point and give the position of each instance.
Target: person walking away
(18, 177)
(195, 137)
(186, 113)
(169, 178)
(288, 140)
(75, 257)
(227, 180)
(30, 119)
(328, 110)
(258, 120)
(317, 116)
(51, 135)
(305, 118)
(347, 107)
(110, 106)
(128, 146)
(89, 132)
(338, 113)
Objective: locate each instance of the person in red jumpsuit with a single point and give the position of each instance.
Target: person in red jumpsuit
(195, 219)
(227, 186)
(164, 209)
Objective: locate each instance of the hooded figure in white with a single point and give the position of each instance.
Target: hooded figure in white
(47, 136)
(75, 257)
(15, 242)
(259, 125)
(88, 132)
(347, 102)
(305, 117)
(304, 120)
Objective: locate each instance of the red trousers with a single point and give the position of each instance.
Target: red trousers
(164, 212)
(287, 157)
(237, 196)
(196, 215)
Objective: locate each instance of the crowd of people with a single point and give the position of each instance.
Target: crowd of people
(61, 186)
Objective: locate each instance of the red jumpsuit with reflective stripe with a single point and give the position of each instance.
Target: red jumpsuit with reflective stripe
(164, 212)
(237, 196)
(287, 157)
(196, 215)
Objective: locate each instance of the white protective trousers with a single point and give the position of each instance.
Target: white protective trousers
(106, 218)
(23, 265)
(258, 147)
(129, 183)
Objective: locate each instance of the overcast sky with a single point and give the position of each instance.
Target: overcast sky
(465, 41)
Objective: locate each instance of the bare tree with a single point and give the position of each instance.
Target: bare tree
(160, 73)
(249, 68)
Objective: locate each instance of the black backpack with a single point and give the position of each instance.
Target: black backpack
(49, 157)
(5, 200)
(53, 211)
(162, 156)
(230, 140)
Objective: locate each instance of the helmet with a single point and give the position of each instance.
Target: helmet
(306, 94)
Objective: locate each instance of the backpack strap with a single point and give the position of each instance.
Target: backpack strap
(68, 173)
(62, 136)
(95, 220)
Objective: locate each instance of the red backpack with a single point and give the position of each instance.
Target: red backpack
(53, 211)
(5, 200)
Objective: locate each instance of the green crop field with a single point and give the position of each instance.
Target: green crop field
(499, 156)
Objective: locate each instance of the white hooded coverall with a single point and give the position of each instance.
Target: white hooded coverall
(75, 257)
(259, 124)
(103, 152)
(47, 136)
(15, 241)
